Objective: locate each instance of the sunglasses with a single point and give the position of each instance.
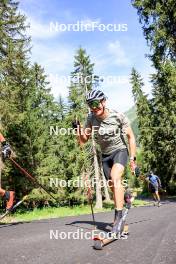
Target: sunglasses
(94, 104)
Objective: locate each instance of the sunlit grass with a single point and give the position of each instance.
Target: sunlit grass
(53, 212)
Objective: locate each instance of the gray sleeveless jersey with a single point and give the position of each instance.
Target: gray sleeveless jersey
(109, 133)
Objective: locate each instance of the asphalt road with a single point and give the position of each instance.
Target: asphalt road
(152, 239)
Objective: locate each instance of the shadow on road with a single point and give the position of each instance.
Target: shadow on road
(12, 224)
(106, 227)
(100, 225)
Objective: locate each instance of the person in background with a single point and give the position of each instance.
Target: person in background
(154, 184)
(8, 196)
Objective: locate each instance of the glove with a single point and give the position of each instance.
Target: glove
(75, 124)
(137, 171)
(6, 150)
(128, 197)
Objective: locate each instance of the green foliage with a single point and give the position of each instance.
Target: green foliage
(164, 120)
(158, 19)
(144, 118)
(27, 109)
(82, 79)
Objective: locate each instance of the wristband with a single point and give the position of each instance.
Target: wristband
(133, 158)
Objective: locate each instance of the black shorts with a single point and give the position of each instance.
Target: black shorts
(118, 156)
(153, 188)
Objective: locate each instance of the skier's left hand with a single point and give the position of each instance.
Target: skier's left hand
(137, 171)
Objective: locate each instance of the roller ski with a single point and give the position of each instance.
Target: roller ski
(119, 229)
(12, 208)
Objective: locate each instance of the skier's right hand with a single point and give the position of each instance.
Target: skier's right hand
(132, 166)
(89, 194)
(75, 124)
(6, 150)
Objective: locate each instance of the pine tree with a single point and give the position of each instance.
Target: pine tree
(26, 106)
(164, 119)
(13, 50)
(158, 19)
(158, 22)
(83, 80)
(14, 68)
(144, 114)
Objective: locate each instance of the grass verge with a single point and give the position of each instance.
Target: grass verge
(52, 212)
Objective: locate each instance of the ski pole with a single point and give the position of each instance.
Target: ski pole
(31, 178)
(93, 217)
(76, 125)
(91, 205)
